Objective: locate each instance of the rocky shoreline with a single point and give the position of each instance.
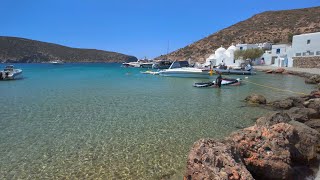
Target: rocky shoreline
(284, 144)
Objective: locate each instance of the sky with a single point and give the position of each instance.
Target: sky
(143, 28)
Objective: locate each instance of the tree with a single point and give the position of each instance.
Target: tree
(248, 54)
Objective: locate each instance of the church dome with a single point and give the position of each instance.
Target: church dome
(232, 48)
(220, 50)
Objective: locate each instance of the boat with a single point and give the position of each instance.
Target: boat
(150, 72)
(182, 69)
(10, 73)
(141, 63)
(225, 81)
(161, 64)
(247, 70)
(57, 62)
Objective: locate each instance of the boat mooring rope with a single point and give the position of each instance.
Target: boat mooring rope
(274, 88)
(270, 87)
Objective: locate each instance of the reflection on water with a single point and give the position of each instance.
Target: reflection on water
(103, 121)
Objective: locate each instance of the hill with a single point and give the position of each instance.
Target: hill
(13, 49)
(270, 26)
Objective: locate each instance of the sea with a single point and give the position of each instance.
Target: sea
(103, 121)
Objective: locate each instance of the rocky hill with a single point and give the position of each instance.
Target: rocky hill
(270, 26)
(13, 49)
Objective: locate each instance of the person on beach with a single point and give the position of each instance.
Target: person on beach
(219, 80)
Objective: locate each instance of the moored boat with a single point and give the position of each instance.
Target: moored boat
(181, 69)
(225, 81)
(57, 62)
(10, 73)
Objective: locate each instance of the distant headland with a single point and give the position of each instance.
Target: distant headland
(21, 50)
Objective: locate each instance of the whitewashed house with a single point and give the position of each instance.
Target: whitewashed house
(278, 55)
(247, 46)
(305, 45)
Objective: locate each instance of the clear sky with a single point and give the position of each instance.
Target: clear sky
(136, 27)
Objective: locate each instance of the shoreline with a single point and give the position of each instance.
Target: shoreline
(283, 144)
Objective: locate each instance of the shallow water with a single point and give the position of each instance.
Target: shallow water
(104, 121)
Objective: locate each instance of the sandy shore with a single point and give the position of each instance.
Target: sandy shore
(306, 70)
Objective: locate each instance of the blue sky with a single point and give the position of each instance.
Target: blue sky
(136, 27)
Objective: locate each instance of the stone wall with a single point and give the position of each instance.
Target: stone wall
(306, 62)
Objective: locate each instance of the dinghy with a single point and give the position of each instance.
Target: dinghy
(225, 81)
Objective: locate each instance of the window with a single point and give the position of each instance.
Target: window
(318, 53)
(304, 54)
(298, 54)
(241, 48)
(311, 53)
(308, 41)
(278, 51)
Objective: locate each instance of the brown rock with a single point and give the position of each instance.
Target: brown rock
(313, 104)
(209, 159)
(302, 114)
(256, 99)
(306, 142)
(279, 70)
(273, 118)
(314, 124)
(266, 150)
(269, 71)
(283, 104)
(314, 79)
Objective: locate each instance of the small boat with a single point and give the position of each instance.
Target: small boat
(161, 64)
(56, 62)
(225, 81)
(150, 72)
(10, 73)
(141, 63)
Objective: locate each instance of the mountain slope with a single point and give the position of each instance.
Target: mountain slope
(13, 49)
(270, 26)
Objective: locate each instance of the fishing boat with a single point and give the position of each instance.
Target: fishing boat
(56, 62)
(10, 73)
(182, 69)
(225, 81)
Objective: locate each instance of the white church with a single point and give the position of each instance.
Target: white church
(224, 56)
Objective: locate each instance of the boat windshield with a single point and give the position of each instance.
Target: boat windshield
(9, 68)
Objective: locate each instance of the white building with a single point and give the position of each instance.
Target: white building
(306, 45)
(223, 56)
(246, 46)
(278, 56)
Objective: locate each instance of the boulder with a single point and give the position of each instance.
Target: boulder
(306, 142)
(314, 79)
(256, 99)
(265, 150)
(269, 71)
(209, 159)
(283, 104)
(279, 70)
(302, 114)
(273, 118)
(318, 86)
(314, 124)
(313, 104)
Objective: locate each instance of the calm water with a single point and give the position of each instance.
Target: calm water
(104, 121)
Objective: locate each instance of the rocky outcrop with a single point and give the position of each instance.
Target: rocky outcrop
(210, 159)
(315, 79)
(256, 99)
(281, 145)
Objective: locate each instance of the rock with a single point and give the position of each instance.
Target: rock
(318, 86)
(314, 79)
(279, 70)
(314, 124)
(209, 159)
(269, 71)
(314, 94)
(273, 118)
(256, 99)
(265, 150)
(313, 104)
(283, 104)
(306, 143)
(302, 114)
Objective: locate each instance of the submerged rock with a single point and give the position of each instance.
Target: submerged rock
(283, 104)
(256, 99)
(273, 118)
(209, 159)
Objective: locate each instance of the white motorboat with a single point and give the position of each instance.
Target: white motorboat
(56, 62)
(141, 63)
(10, 73)
(181, 69)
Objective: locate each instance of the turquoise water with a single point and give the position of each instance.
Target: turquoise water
(103, 121)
